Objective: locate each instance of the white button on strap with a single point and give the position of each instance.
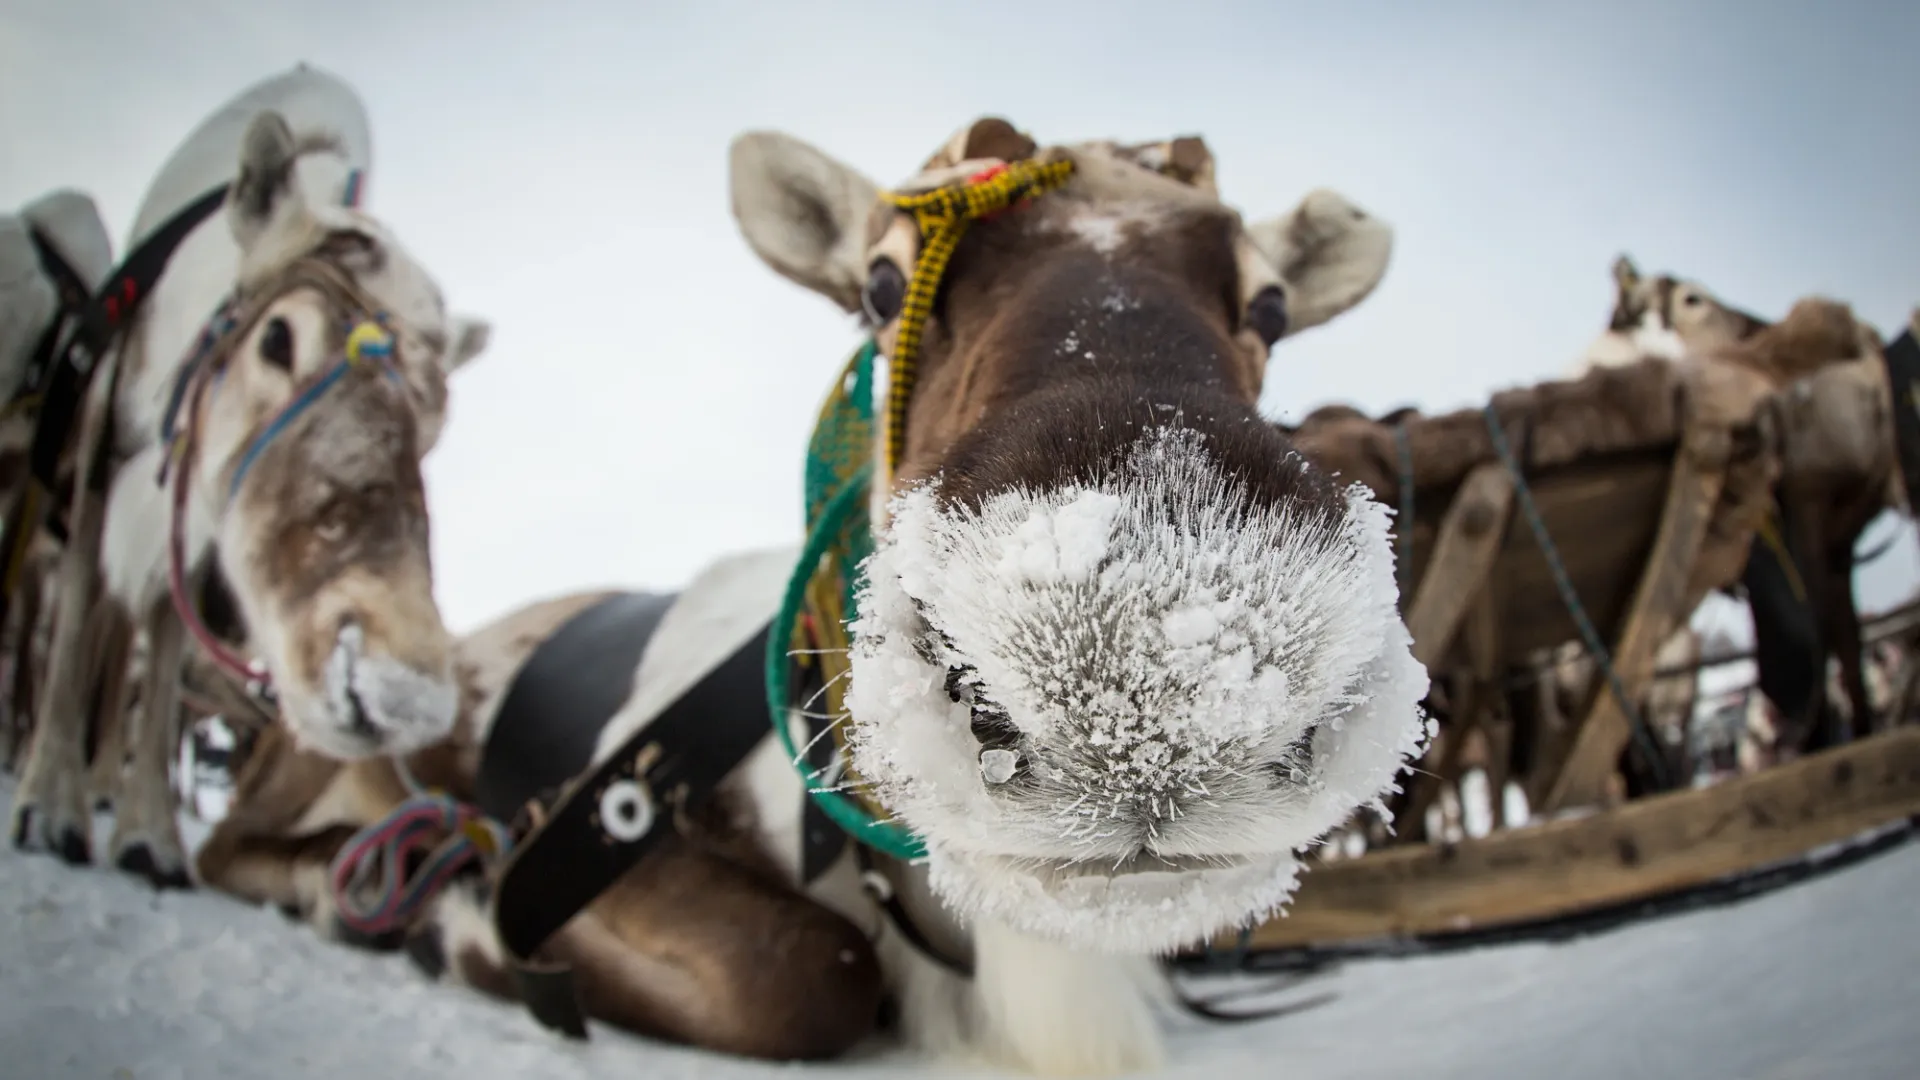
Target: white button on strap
(626, 813)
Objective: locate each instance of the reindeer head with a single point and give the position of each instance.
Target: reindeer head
(307, 431)
(1122, 651)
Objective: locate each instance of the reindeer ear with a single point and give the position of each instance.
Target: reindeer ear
(1625, 275)
(469, 339)
(262, 190)
(804, 213)
(1329, 252)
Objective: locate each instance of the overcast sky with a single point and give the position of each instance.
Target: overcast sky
(645, 403)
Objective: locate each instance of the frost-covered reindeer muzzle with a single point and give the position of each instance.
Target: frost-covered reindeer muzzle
(1116, 710)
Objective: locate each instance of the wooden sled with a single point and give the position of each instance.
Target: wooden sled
(1650, 482)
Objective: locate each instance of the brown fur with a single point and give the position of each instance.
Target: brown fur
(1001, 401)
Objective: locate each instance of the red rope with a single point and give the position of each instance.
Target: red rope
(251, 675)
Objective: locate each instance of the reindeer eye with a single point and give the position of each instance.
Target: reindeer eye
(885, 292)
(276, 344)
(1267, 314)
(1691, 300)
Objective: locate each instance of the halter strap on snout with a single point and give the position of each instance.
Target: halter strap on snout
(368, 343)
(942, 216)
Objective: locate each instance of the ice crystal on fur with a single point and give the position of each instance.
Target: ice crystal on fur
(1195, 688)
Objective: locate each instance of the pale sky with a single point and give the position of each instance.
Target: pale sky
(644, 406)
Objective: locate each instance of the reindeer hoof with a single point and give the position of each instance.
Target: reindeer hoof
(384, 943)
(428, 954)
(138, 860)
(31, 832)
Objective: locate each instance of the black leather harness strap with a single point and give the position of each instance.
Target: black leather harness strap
(606, 821)
(62, 375)
(561, 699)
(78, 315)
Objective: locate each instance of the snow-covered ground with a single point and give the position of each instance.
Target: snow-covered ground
(102, 978)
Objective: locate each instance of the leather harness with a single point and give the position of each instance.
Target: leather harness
(583, 832)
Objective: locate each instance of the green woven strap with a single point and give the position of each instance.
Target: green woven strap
(839, 470)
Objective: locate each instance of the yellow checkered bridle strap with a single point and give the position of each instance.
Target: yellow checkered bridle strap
(942, 216)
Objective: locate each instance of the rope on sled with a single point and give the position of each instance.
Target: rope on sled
(1652, 758)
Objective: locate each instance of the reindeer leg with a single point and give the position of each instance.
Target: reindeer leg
(50, 807)
(20, 693)
(289, 872)
(1842, 631)
(112, 637)
(146, 833)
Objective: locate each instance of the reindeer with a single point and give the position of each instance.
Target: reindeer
(1092, 551)
(1839, 470)
(288, 367)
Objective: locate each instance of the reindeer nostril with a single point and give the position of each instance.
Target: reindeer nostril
(993, 729)
(358, 720)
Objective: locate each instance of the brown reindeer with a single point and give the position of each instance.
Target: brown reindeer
(1839, 470)
(1124, 655)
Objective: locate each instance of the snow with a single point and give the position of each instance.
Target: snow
(101, 977)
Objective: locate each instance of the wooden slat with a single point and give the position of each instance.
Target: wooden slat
(1579, 778)
(1603, 517)
(1639, 850)
(1464, 553)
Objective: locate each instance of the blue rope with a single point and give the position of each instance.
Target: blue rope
(280, 422)
(1643, 738)
(1403, 528)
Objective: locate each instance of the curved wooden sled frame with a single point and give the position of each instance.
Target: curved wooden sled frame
(1652, 847)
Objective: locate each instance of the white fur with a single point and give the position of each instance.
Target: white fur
(1060, 1012)
(1105, 226)
(1611, 349)
(717, 612)
(1653, 337)
(1160, 655)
